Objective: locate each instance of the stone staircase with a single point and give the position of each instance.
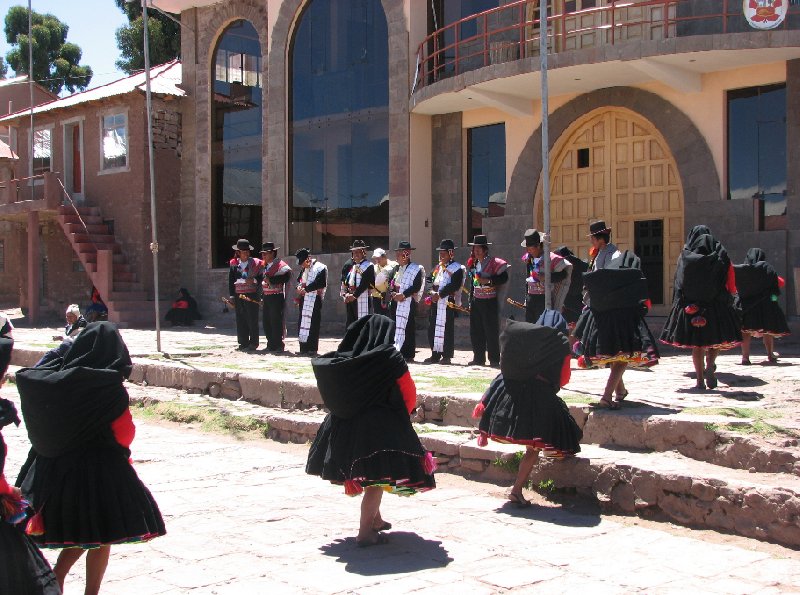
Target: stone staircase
(107, 267)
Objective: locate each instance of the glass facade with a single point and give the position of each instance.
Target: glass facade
(236, 140)
(339, 126)
(757, 146)
(486, 175)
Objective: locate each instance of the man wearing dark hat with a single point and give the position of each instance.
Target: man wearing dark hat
(602, 249)
(560, 273)
(244, 282)
(357, 282)
(311, 286)
(406, 289)
(487, 274)
(276, 275)
(448, 278)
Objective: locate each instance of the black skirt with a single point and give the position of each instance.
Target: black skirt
(765, 318)
(375, 447)
(722, 329)
(529, 413)
(90, 498)
(23, 569)
(620, 335)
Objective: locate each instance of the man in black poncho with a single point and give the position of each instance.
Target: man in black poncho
(367, 442)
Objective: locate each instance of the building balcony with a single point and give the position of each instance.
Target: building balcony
(492, 58)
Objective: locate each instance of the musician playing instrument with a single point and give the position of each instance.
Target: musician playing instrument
(560, 275)
(244, 279)
(384, 271)
(312, 282)
(357, 283)
(487, 273)
(448, 278)
(277, 274)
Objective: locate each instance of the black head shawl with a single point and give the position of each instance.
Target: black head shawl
(6, 347)
(528, 351)
(755, 256)
(69, 402)
(8, 416)
(626, 260)
(363, 371)
(756, 279)
(694, 233)
(702, 268)
(615, 288)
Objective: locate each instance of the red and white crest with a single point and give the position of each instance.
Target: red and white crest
(765, 14)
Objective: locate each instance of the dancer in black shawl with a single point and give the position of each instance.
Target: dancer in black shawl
(367, 442)
(703, 318)
(521, 405)
(23, 569)
(573, 304)
(78, 477)
(759, 286)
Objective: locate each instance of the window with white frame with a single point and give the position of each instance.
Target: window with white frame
(115, 141)
(42, 151)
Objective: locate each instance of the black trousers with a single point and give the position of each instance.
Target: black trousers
(312, 345)
(449, 331)
(534, 306)
(273, 321)
(484, 330)
(247, 331)
(409, 348)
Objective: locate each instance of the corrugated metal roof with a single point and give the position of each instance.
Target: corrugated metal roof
(164, 80)
(14, 81)
(6, 152)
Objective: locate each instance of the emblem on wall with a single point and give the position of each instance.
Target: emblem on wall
(765, 14)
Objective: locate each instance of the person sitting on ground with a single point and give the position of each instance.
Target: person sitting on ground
(367, 442)
(75, 324)
(184, 310)
(6, 328)
(521, 405)
(78, 478)
(97, 310)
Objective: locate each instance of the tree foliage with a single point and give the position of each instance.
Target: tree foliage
(3, 68)
(164, 35)
(56, 62)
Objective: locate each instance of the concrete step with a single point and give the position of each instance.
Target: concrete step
(92, 229)
(87, 219)
(83, 210)
(94, 238)
(89, 248)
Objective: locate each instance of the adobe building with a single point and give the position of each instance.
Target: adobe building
(310, 123)
(78, 214)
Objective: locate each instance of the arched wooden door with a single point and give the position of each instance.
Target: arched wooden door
(614, 165)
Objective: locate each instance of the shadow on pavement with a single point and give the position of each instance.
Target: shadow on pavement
(553, 515)
(405, 552)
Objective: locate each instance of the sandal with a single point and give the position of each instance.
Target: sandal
(385, 526)
(380, 539)
(605, 404)
(711, 380)
(772, 359)
(620, 397)
(519, 500)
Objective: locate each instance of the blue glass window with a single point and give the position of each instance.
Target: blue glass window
(236, 141)
(339, 126)
(486, 175)
(757, 146)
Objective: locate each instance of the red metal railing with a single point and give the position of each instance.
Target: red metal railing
(510, 32)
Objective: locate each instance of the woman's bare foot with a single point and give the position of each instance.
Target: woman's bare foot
(371, 538)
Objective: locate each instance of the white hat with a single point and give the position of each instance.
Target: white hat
(378, 253)
(74, 309)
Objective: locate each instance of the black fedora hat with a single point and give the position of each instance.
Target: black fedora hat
(302, 254)
(269, 247)
(447, 245)
(479, 240)
(597, 228)
(532, 238)
(242, 245)
(404, 245)
(358, 245)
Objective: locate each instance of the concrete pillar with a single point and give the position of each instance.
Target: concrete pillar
(34, 261)
(104, 280)
(793, 182)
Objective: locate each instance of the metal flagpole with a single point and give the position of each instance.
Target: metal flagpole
(545, 153)
(30, 89)
(153, 217)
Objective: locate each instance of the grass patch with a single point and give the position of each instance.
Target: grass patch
(577, 399)
(200, 347)
(546, 486)
(761, 428)
(737, 412)
(210, 420)
(510, 464)
(757, 427)
(463, 384)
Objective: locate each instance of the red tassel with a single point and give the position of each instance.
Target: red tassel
(582, 363)
(352, 487)
(35, 524)
(429, 463)
(477, 413)
(482, 439)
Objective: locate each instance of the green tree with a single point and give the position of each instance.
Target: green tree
(164, 34)
(3, 68)
(56, 62)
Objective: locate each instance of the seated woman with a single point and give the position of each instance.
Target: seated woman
(75, 324)
(521, 405)
(184, 310)
(78, 477)
(97, 310)
(367, 442)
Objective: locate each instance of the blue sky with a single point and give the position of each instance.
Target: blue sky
(92, 25)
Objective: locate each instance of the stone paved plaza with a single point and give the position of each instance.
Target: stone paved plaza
(242, 517)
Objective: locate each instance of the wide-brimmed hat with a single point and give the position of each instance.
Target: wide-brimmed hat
(597, 228)
(269, 247)
(242, 245)
(447, 245)
(532, 238)
(404, 246)
(479, 240)
(302, 254)
(358, 245)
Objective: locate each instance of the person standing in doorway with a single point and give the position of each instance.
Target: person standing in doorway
(273, 289)
(487, 274)
(244, 281)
